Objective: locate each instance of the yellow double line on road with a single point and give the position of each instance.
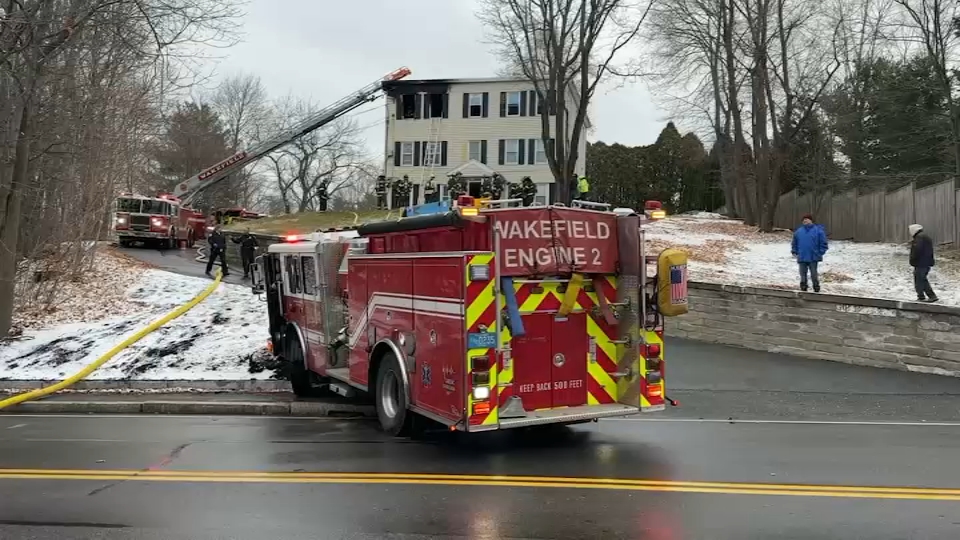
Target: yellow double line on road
(868, 492)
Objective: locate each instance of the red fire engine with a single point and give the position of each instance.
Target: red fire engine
(169, 218)
(478, 318)
(162, 219)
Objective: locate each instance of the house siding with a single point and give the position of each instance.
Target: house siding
(458, 131)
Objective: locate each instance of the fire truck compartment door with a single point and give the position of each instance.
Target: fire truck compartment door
(571, 347)
(550, 362)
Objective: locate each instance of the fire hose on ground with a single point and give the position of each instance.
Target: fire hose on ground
(41, 392)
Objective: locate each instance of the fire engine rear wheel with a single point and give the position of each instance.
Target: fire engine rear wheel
(299, 375)
(394, 418)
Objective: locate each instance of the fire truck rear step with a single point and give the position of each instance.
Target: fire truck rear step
(342, 389)
(569, 414)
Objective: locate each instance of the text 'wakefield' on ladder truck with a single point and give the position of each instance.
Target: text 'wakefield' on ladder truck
(169, 219)
(478, 318)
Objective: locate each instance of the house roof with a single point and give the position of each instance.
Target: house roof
(472, 169)
(414, 82)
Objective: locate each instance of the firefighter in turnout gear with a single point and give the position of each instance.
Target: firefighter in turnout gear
(322, 197)
(381, 191)
(528, 191)
(218, 248)
(430, 190)
(248, 250)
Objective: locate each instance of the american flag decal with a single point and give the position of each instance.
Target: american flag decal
(678, 284)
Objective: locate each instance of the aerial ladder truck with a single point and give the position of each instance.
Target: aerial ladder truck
(169, 219)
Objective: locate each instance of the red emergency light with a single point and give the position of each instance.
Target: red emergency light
(291, 238)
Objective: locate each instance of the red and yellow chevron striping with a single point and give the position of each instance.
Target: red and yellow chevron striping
(543, 296)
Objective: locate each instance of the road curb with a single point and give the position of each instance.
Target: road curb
(157, 386)
(199, 407)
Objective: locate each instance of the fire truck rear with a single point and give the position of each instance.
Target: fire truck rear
(478, 318)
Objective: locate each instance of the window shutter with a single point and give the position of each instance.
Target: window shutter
(533, 103)
(399, 101)
(417, 105)
(503, 104)
(397, 150)
(416, 154)
(486, 103)
(503, 143)
(532, 145)
(552, 194)
(443, 154)
(483, 151)
(523, 103)
(520, 147)
(446, 105)
(466, 105)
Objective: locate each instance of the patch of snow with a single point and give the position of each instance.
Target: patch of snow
(216, 340)
(726, 251)
(96, 294)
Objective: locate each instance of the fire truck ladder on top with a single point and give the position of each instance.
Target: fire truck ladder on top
(190, 188)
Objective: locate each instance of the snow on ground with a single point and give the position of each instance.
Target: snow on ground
(221, 338)
(96, 294)
(726, 251)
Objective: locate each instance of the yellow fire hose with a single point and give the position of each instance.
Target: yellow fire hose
(40, 392)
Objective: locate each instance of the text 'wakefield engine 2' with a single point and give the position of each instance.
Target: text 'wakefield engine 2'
(478, 318)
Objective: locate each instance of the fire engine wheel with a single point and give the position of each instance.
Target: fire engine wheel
(299, 375)
(394, 418)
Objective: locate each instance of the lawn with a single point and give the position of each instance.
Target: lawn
(305, 222)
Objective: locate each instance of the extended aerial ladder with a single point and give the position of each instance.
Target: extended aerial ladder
(187, 190)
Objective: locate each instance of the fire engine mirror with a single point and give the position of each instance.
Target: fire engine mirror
(256, 278)
(479, 272)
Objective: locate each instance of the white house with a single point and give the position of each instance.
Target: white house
(476, 127)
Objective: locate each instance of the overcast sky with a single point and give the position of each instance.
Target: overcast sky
(323, 50)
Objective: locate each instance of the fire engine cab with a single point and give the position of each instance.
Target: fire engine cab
(479, 317)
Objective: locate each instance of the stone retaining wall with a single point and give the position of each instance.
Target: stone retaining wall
(864, 331)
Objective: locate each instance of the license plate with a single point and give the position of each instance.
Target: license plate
(481, 340)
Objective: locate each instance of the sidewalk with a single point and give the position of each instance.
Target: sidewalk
(207, 403)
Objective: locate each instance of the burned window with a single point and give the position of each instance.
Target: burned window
(309, 275)
(408, 106)
(433, 108)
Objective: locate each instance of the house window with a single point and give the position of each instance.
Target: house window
(511, 154)
(513, 103)
(543, 193)
(406, 154)
(475, 151)
(432, 154)
(541, 155)
(476, 105)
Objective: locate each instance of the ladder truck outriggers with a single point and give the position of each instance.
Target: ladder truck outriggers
(168, 218)
(478, 317)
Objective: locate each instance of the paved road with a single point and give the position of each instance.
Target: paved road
(193, 478)
(180, 261)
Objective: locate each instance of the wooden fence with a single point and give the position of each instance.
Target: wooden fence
(878, 216)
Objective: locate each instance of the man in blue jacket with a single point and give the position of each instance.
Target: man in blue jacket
(809, 246)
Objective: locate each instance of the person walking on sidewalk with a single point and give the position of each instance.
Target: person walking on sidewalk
(218, 248)
(921, 259)
(809, 247)
(248, 247)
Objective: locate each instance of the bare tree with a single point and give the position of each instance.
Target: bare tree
(565, 48)
(79, 80)
(241, 102)
(315, 167)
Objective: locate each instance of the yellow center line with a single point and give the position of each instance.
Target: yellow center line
(803, 490)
